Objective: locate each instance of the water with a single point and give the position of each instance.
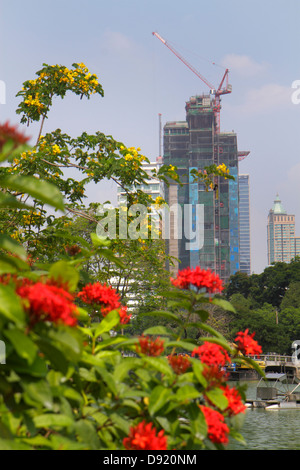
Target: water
(268, 430)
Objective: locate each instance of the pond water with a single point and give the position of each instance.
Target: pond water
(268, 430)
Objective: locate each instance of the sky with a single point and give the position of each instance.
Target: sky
(258, 41)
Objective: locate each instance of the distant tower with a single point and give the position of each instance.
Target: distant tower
(282, 243)
(244, 224)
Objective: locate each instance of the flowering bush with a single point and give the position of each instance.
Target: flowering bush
(71, 377)
(73, 382)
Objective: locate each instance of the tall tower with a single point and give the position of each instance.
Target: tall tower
(282, 243)
(195, 144)
(244, 224)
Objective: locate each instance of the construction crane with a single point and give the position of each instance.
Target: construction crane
(216, 92)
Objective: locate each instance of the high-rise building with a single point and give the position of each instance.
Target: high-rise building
(195, 144)
(283, 245)
(153, 186)
(244, 224)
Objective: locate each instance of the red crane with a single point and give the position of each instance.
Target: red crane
(217, 92)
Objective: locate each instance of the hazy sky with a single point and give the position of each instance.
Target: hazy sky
(257, 40)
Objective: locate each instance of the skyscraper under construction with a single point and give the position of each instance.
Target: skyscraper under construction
(194, 144)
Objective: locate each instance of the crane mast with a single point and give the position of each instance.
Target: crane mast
(217, 92)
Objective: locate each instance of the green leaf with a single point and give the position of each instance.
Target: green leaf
(158, 363)
(54, 355)
(37, 369)
(217, 397)
(11, 264)
(7, 201)
(63, 272)
(23, 345)
(122, 369)
(10, 305)
(44, 191)
(99, 241)
(108, 323)
(224, 304)
(163, 314)
(9, 244)
(190, 346)
(38, 393)
(197, 422)
(187, 393)
(87, 434)
(49, 420)
(198, 370)
(159, 397)
(158, 330)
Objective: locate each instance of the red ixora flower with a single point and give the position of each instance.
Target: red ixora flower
(217, 429)
(46, 302)
(124, 316)
(9, 132)
(144, 437)
(200, 278)
(214, 375)
(179, 363)
(212, 354)
(102, 295)
(235, 404)
(246, 344)
(150, 347)
(106, 297)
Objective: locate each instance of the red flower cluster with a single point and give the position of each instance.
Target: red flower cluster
(214, 375)
(235, 404)
(46, 302)
(124, 316)
(8, 132)
(106, 297)
(217, 429)
(100, 294)
(144, 437)
(150, 347)
(179, 363)
(212, 354)
(199, 278)
(246, 344)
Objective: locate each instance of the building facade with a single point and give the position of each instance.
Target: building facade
(244, 224)
(195, 144)
(283, 245)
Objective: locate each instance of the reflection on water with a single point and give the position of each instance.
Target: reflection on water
(269, 430)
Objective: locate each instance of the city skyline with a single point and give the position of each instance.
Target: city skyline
(142, 79)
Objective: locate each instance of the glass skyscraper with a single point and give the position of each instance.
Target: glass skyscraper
(244, 224)
(195, 144)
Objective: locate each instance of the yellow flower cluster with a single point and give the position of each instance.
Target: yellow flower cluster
(32, 218)
(159, 200)
(34, 101)
(79, 76)
(223, 168)
(25, 156)
(131, 154)
(55, 149)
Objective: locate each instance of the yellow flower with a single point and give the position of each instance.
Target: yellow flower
(55, 149)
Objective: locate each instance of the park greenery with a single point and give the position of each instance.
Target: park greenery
(80, 369)
(269, 304)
